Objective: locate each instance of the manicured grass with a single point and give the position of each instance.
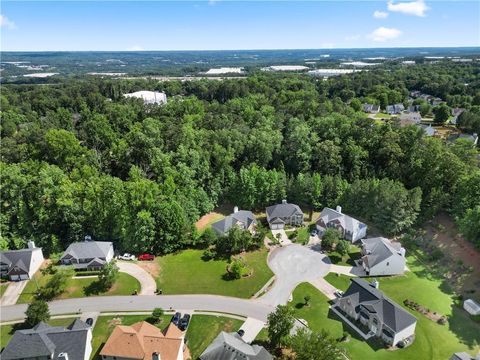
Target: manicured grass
(204, 328)
(7, 331)
(432, 341)
(303, 235)
(383, 116)
(186, 273)
(3, 287)
(125, 285)
(346, 260)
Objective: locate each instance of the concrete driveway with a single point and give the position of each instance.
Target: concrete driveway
(14, 289)
(284, 240)
(147, 282)
(348, 270)
(293, 265)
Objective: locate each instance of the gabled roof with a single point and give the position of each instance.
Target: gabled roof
(21, 259)
(283, 210)
(141, 340)
(88, 249)
(46, 340)
(347, 222)
(242, 216)
(230, 346)
(379, 249)
(363, 295)
(461, 356)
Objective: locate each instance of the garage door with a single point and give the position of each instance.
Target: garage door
(276, 226)
(24, 277)
(15, 277)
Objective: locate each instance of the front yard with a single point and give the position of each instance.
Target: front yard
(433, 341)
(187, 273)
(3, 287)
(346, 260)
(125, 285)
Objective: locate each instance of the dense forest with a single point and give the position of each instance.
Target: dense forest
(78, 158)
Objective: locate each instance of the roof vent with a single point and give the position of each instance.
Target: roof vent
(284, 201)
(375, 284)
(155, 356)
(62, 356)
(88, 238)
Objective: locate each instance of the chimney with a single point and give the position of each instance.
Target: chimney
(339, 209)
(401, 251)
(235, 209)
(155, 356)
(375, 284)
(284, 201)
(31, 244)
(88, 238)
(62, 356)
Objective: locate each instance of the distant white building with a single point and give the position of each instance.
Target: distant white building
(225, 70)
(330, 72)
(410, 118)
(149, 97)
(285, 68)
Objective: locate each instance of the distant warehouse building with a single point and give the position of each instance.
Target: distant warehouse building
(149, 97)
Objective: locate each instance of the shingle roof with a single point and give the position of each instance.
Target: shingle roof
(45, 340)
(88, 249)
(348, 223)
(230, 346)
(283, 210)
(461, 356)
(243, 216)
(18, 258)
(379, 249)
(363, 295)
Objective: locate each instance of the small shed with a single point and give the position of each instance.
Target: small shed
(471, 307)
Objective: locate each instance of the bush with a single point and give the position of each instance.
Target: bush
(330, 238)
(293, 234)
(157, 313)
(237, 269)
(37, 311)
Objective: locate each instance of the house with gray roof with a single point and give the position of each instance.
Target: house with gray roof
(464, 356)
(371, 313)
(21, 264)
(371, 108)
(428, 129)
(231, 346)
(381, 257)
(50, 342)
(283, 214)
(350, 228)
(243, 219)
(395, 109)
(88, 255)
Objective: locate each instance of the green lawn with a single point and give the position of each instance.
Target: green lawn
(303, 235)
(346, 260)
(383, 116)
(125, 285)
(204, 328)
(104, 327)
(186, 273)
(432, 341)
(7, 331)
(3, 287)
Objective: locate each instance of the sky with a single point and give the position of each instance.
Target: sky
(235, 25)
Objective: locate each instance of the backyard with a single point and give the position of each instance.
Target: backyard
(346, 260)
(125, 285)
(432, 341)
(188, 273)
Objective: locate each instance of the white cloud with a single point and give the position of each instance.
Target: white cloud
(327, 46)
(212, 2)
(383, 34)
(417, 8)
(7, 23)
(352, 37)
(380, 14)
(135, 48)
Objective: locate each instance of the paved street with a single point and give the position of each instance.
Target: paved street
(14, 289)
(147, 282)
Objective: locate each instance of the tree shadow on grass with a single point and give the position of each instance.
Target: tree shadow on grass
(464, 327)
(94, 288)
(97, 356)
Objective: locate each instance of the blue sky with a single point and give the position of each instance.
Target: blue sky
(205, 25)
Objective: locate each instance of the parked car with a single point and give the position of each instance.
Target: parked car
(89, 322)
(338, 293)
(314, 232)
(184, 322)
(146, 257)
(176, 318)
(241, 332)
(127, 256)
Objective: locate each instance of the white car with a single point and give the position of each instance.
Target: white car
(127, 256)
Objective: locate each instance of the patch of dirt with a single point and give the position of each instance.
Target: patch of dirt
(206, 219)
(445, 235)
(151, 267)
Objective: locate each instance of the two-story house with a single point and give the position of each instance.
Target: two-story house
(21, 264)
(283, 214)
(380, 257)
(350, 228)
(243, 219)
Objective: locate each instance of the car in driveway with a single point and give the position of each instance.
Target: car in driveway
(176, 318)
(89, 322)
(183, 325)
(146, 257)
(127, 257)
(338, 293)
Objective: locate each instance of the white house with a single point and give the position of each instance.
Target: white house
(21, 264)
(380, 257)
(149, 97)
(88, 255)
(350, 228)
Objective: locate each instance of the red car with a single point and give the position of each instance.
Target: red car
(145, 257)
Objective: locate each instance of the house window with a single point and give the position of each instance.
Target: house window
(388, 263)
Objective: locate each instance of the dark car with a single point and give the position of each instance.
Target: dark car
(241, 332)
(184, 322)
(314, 232)
(89, 322)
(176, 318)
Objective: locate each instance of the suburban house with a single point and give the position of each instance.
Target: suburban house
(371, 108)
(231, 346)
(473, 137)
(51, 342)
(88, 255)
(428, 129)
(456, 112)
(371, 313)
(464, 356)
(413, 108)
(380, 256)
(146, 342)
(21, 264)
(436, 101)
(284, 214)
(149, 97)
(350, 228)
(410, 118)
(243, 219)
(395, 109)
